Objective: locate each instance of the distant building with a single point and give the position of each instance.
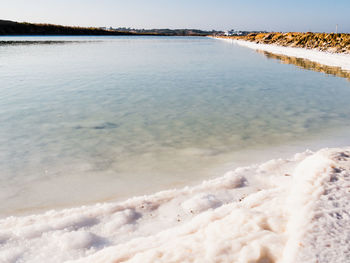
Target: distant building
(229, 32)
(240, 32)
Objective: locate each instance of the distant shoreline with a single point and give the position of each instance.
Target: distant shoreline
(11, 28)
(334, 59)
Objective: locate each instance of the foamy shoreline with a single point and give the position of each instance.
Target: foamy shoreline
(325, 58)
(293, 210)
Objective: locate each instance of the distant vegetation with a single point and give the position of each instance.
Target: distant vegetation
(15, 28)
(169, 32)
(331, 42)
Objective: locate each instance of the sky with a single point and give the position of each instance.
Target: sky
(269, 15)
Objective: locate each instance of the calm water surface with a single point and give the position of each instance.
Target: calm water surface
(105, 118)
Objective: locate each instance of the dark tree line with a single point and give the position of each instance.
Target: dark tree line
(15, 28)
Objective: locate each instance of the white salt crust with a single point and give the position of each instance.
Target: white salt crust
(322, 57)
(294, 210)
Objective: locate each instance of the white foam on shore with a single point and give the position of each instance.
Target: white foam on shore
(322, 57)
(260, 213)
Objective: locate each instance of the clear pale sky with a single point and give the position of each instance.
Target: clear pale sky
(270, 15)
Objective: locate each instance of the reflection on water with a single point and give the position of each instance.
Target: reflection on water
(307, 64)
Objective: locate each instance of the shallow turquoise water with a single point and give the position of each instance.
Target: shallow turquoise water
(111, 117)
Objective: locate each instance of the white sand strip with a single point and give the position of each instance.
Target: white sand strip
(325, 58)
